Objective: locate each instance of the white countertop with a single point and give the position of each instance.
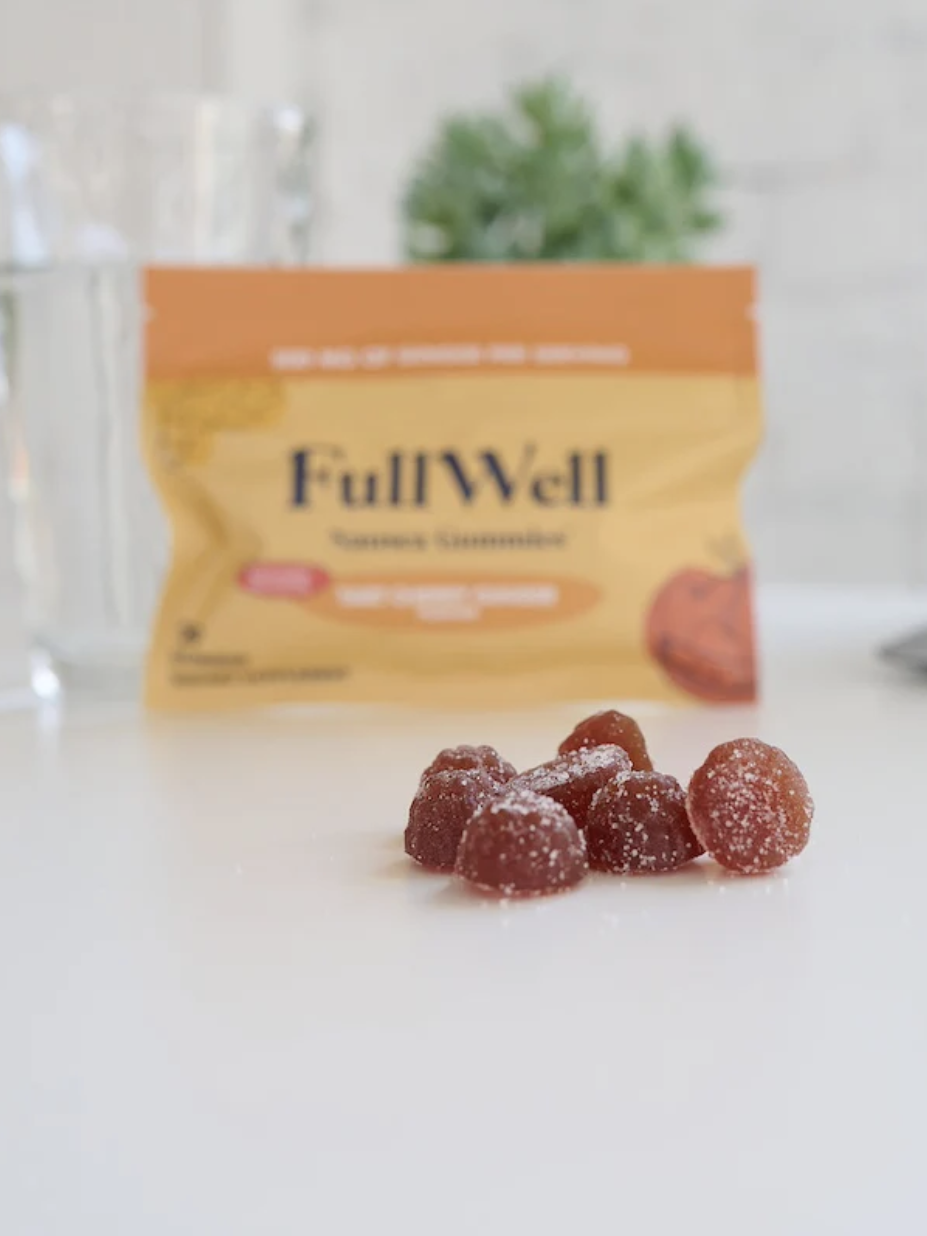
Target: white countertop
(230, 1007)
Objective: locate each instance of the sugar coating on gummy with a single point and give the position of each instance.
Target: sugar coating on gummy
(637, 823)
(610, 728)
(572, 779)
(749, 806)
(522, 844)
(441, 810)
(467, 757)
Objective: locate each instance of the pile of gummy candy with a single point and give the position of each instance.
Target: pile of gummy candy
(599, 804)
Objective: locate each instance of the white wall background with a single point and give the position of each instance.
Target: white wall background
(816, 109)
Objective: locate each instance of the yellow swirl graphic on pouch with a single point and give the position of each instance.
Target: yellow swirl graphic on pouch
(188, 413)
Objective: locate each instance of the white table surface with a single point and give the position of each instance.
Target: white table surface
(230, 1007)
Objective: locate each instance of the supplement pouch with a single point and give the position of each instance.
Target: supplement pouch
(454, 484)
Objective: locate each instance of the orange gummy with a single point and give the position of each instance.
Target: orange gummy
(522, 844)
(749, 806)
(467, 757)
(610, 728)
(572, 779)
(638, 823)
(440, 812)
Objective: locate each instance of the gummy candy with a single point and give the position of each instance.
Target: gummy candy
(572, 779)
(466, 757)
(638, 823)
(750, 806)
(610, 727)
(522, 844)
(440, 812)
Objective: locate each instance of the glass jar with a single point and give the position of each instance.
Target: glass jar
(92, 189)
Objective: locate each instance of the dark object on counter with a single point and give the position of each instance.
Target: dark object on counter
(910, 651)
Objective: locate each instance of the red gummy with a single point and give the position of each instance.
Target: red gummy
(522, 844)
(573, 779)
(610, 728)
(466, 757)
(749, 806)
(638, 823)
(440, 812)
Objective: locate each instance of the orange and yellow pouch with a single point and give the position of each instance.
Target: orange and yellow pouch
(484, 485)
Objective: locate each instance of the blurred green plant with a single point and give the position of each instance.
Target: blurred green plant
(537, 183)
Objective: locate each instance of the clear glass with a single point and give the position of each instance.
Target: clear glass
(90, 190)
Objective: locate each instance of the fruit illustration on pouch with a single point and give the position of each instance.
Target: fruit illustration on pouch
(700, 630)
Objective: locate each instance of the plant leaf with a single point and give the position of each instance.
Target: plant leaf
(534, 182)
